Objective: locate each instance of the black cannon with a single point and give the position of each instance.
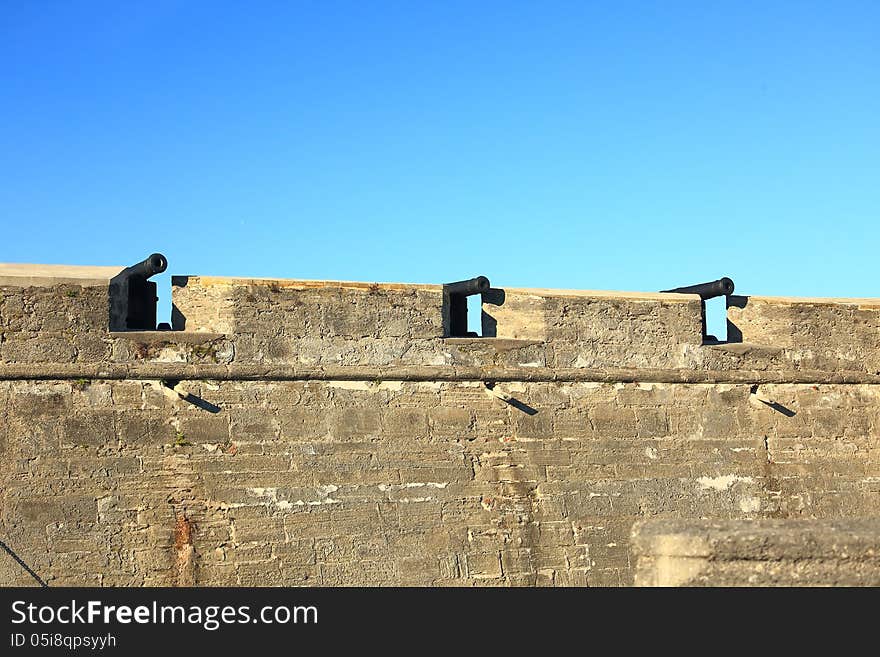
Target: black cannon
(133, 297)
(155, 264)
(455, 304)
(723, 287)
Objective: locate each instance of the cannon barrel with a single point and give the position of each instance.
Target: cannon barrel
(721, 288)
(471, 286)
(154, 264)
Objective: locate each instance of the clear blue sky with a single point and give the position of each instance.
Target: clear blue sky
(597, 145)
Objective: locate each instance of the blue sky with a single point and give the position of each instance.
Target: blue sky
(595, 145)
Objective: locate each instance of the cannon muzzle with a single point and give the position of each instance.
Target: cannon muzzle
(154, 264)
(471, 286)
(723, 287)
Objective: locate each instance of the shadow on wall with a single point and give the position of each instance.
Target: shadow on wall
(496, 392)
(178, 319)
(734, 334)
(489, 325)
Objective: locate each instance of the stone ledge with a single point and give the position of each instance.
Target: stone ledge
(296, 284)
(863, 302)
(172, 337)
(28, 275)
(496, 343)
(746, 349)
(178, 370)
(789, 552)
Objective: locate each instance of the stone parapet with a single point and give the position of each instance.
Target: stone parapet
(810, 333)
(325, 323)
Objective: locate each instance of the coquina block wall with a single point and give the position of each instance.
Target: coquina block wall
(324, 433)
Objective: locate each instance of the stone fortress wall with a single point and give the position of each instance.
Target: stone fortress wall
(292, 432)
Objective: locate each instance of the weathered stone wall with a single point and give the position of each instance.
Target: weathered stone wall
(823, 334)
(327, 433)
(758, 552)
(53, 324)
(318, 322)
